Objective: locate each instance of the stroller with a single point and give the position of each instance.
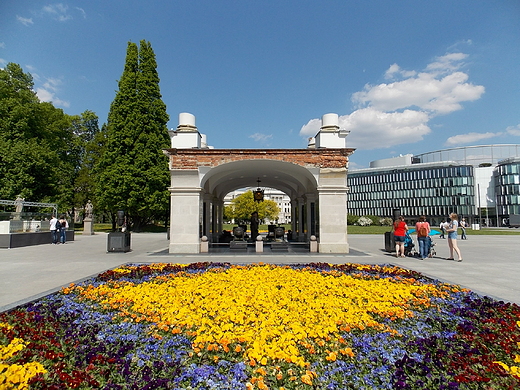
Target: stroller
(409, 246)
(431, 247)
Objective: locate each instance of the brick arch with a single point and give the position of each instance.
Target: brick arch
(321, 158)
(200, 178)
(293, 179)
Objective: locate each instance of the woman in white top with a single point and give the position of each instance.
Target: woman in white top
(452, 236)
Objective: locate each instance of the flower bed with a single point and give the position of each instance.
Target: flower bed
(218, 326)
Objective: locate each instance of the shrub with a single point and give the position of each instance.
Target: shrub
(364, 221)
(352, 219)
(375, 219)
(387, 221)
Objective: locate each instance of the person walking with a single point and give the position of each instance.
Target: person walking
(452, 237)
(400, 228)
(463, 226)
(443, 227)
(422, 227)
(63, 229)
(53, 225)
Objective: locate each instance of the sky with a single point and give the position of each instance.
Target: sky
(405, 77)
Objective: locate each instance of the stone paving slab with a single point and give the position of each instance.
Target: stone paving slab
(491, 264)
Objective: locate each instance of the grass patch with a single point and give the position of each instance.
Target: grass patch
(352, 229)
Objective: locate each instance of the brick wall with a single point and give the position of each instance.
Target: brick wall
(321, 158)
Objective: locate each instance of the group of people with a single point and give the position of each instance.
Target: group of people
(58, 229)
(423, 229)
(445, 224)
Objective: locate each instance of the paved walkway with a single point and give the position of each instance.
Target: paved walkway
(491, 264)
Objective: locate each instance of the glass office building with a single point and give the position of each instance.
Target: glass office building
(479, 183)
(418, 189)
(472, 155)
(507, 186)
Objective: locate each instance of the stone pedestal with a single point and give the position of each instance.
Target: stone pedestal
(204, 244)
(313, 245)
(88, 227)
(259, 244)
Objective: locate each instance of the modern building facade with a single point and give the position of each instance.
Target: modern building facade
(507, 187)
(480, 183)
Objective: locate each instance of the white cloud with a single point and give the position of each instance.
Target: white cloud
(396, 70)
(58, 11)
(24, 21)
(48, 96)
(469, 138)
(513, 130)
(47, 92)
(3, 62)
(475, 137)
(52, 84)
(393, 113)
(2, 45)
(448, 62)
(83, 13)
(427, 90)
(259, 137)
(372, 129)
(311, 128)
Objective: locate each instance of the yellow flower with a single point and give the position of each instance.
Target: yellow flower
(269, 313)
(307, 379)
(16, 376)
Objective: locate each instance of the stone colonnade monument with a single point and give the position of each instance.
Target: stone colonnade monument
(315, 179)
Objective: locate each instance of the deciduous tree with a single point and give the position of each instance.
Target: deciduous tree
(244, 205)
(36, 156)
(87, 147)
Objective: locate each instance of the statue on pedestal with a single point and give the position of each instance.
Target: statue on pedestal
(18, 203)
(89, 208)
(88, 227)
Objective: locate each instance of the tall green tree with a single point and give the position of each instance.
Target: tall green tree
(87, 147)
(36, 156)
(132, 173)
(244, 205)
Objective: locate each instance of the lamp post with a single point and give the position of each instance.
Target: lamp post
(258, 194)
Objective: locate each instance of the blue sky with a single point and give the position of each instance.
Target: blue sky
(404, 76)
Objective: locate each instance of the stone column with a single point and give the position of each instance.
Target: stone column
(310, 199)
(185, 211)
(294, 224)
(220, 217)
(301, 222)
(207, 217)
(332, 195)
(215, 217)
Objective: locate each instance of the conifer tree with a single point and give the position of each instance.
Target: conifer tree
(132, 172)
